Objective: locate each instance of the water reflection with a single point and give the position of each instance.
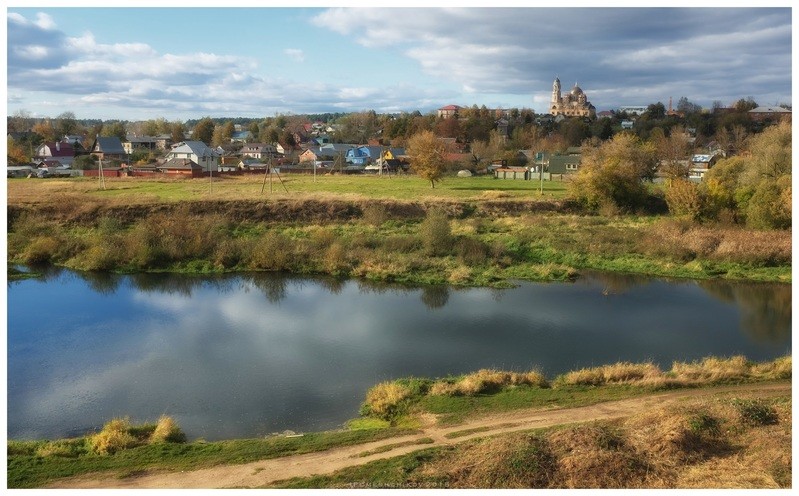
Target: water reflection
(765, 308)
(245, 355)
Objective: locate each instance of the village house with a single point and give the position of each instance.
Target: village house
(108, 148)
(197, 152)
(258, 150)
(63, 152)
(764, 113)
(181, 167)
(139, 143)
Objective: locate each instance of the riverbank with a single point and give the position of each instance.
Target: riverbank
(465, 414)
(489, 238)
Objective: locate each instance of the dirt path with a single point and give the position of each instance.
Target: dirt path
(262, 472)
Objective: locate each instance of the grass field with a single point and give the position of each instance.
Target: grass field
(404, 187)
(371, 227)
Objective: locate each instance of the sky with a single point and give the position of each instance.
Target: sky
(188, 62)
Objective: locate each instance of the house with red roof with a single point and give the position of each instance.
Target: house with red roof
(449, 111)
(58, 150)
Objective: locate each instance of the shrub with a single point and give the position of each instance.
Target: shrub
(755, 412)
(436, 233)
(375, 214)
(167, 431)
(335, 259)
(613, 174)
(704, 424)
(472, 251)
(271, 252)
(684, 199)
(41, 250)
(114, 437)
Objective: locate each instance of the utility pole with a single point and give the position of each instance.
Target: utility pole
(102, 176)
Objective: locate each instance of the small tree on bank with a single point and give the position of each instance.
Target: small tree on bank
(427, 155)
(614, 173)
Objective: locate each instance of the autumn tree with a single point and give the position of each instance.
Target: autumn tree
(15, 153)
(614, 173)
(427, 155)
(673, 151)
(45, 129)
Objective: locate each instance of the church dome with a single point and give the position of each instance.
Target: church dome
(576, 90)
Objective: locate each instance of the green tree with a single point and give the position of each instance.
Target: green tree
(223, 133)
(66, 124)
(427, 155)
(115, 128)
(203, 131)
(178, 131)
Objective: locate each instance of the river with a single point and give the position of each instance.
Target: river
(248, 355)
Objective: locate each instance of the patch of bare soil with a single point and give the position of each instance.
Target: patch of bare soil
(260, 473)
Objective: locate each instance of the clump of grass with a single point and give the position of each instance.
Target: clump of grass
(598, 456)
(755, 412)
(620, 372)
(712, 369)
(114, 437)
(781, 368)
(167, 431)
(487, 381)
(65, 448)
(512, 461)
(375, 214)
(385, 399)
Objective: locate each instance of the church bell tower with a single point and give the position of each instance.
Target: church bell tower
(555, 94)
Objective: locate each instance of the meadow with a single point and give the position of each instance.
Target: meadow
(468, 231)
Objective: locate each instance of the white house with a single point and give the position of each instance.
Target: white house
(198, 152)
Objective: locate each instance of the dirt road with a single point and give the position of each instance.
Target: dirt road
(262, 472)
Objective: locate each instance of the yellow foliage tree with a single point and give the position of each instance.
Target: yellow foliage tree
(427, 155)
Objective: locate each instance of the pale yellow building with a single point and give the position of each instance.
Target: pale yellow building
(572, 104)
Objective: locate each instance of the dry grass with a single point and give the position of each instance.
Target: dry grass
(621, 372)
(699, 444)
(687, 241)
(487, 381)
(781, 368)
(114, 437)
(712, 369)
(598, 456)
(384, 399)
(512, 461)
(167, 431)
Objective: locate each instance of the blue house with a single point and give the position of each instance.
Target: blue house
(365, 155)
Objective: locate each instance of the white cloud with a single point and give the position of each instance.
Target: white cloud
(44, 21)
(295, 53)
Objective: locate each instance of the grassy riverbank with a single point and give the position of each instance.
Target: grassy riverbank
(718, 443)
(465, 235)
(403, 403)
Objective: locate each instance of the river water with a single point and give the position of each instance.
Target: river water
(248, 355)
